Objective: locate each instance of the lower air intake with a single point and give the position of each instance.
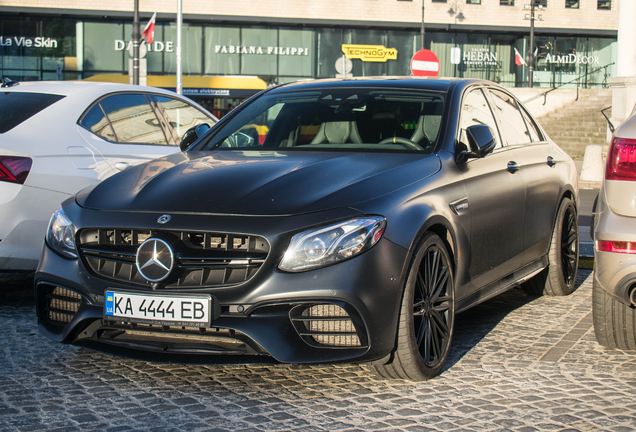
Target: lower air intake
(327, 325)
(61, 305)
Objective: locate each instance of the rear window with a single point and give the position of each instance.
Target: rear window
(16, 107)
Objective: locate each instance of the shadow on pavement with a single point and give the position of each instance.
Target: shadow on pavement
(16, 289)
(474, 324)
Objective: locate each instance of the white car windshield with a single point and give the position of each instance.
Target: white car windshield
(350, 119)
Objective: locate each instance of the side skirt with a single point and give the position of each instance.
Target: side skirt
(512, 280)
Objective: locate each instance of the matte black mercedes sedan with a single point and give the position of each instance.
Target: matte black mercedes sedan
(323, 221)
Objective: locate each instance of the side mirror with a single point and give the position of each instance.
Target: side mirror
(481, 141)
(193, 134)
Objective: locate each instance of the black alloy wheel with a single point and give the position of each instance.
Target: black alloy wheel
(559, 278)
(431, 307)
(427, 316)
(569, 245)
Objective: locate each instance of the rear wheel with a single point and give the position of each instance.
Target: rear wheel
(559, 278)
(425, 328)
(614, 322)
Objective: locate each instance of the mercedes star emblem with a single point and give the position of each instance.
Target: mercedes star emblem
(164, 219)
(155, 259)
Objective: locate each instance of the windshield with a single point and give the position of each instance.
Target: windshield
(347, 119)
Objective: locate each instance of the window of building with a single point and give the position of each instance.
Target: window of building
(473, 1)
(506, 2)
(572, 4)
(438, 1)
(604, 4)
(541, 3)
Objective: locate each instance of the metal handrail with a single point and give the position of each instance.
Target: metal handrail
(545, 93)
(609, 123)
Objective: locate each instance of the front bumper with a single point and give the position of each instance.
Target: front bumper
(25, 212)
(264, 315)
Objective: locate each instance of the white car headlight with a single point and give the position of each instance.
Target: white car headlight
(331, 244)
(61, 235)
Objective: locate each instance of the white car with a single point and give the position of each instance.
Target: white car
(58, 137)
(614, 229)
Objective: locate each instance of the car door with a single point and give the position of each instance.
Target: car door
(495, 198)
(130, 128)
(538, 168)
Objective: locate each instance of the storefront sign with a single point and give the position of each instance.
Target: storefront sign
(205, 92)
(38, 42)
(369, 53)
(239, 49)
(571, 58)
(480, 57)
(156, 46)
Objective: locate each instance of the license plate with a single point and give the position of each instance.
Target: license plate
(192, 311)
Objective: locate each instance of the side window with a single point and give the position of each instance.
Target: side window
(133, 119)
(474, 111)
(535, 134)
(95, 121)
(179, 116)
(513, 127)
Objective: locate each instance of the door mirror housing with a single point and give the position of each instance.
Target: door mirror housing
(481, 141)
(193, 134)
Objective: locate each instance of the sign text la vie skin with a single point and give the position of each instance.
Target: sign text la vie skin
(38, 42)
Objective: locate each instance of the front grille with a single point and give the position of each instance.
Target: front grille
(203, 259)
(327, 325)
(61, 305)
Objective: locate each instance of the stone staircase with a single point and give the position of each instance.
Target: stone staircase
(580, 123)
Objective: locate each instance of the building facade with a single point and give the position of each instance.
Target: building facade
(285, 40)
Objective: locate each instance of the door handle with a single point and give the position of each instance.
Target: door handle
(513, 167)
(551, 161)
(122, 166)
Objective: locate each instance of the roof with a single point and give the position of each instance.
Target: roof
(69, 88)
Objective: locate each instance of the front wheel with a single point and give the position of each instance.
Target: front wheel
(559, 278)
(425, 328)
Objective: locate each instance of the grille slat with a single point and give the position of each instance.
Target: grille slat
(61, 305)
(326, 325)
(203, 259)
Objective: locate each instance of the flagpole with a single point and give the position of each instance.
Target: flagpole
(135, 37)
(531, 64)
(179, 24)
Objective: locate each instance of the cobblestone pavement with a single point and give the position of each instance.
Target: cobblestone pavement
(518, 363)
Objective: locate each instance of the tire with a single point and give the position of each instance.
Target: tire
(427, 316)
(614, 322)
(559, 278)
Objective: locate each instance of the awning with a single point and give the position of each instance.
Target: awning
(238, 86)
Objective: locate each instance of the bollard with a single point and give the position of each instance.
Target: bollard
(592, 169)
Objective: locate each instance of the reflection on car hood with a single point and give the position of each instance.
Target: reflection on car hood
(257, 182)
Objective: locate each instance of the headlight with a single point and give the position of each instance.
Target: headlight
(328, 245)
(61, 235)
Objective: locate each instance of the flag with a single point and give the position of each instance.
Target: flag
(149, 30)
(518, 59)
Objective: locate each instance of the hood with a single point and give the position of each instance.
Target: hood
(257, 182)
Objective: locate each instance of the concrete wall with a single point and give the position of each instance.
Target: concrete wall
(555, 99)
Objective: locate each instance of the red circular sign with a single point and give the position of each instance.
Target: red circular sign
(425, 63)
